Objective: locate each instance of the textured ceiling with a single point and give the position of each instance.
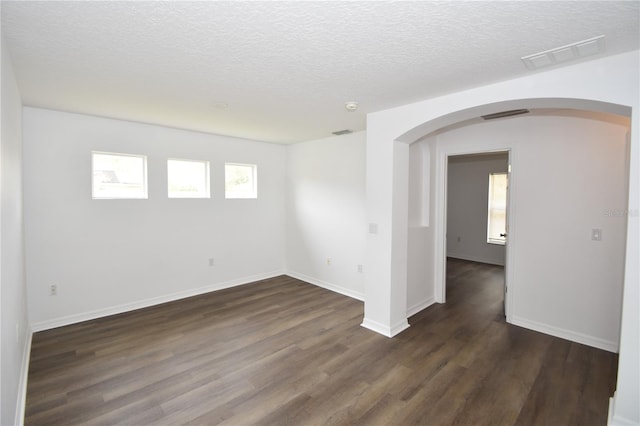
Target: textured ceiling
(282, 71)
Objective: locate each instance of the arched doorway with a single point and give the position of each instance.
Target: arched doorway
(610, 82)
(557, 154)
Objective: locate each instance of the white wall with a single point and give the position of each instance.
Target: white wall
(420, 289)
(107, 256)
(467, 197)
(326, 215)
(608, 84)
(15, 325)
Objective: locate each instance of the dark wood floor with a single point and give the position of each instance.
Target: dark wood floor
(284, 352)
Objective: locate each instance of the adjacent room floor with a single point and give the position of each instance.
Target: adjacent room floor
(281, 351)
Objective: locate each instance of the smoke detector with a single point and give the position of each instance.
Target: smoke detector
(351, 106)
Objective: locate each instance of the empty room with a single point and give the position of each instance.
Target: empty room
(322, 212)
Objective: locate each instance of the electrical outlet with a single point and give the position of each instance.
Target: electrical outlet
(328, 261)
(360, 268)
(211, 261)
(53, 290)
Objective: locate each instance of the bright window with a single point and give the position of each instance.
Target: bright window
(188, 179)
(497, 211)
(118, 175)
(241, 180)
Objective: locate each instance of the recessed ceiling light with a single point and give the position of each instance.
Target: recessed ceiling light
(351, 106)
(567, 53)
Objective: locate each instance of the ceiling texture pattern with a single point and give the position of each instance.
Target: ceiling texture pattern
(282, 71)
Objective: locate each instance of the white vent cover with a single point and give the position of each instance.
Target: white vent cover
(566, 53)
(342, 132)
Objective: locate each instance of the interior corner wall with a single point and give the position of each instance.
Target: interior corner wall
(109, 256)
(326, 214)
(13, 299)
(467, 196)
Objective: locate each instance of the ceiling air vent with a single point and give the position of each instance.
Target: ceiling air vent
(342, 132)
(505, 114)
(569, 52)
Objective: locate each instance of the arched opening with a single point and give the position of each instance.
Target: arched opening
(472, 113)
(609, 84)
(573, 215)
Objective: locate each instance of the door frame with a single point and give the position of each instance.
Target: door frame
(440, 278)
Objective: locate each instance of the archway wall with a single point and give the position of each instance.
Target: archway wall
(608, 84)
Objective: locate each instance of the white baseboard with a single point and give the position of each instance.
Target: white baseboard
(21, 403)
(613, 420)
(473, 258)
(384, 329)
(126, 307)
(376, 326)
(420, 306)
(366, 323)
(566, 334)
(399, 327)
(329, 286)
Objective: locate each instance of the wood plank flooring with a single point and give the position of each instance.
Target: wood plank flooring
(284, 352)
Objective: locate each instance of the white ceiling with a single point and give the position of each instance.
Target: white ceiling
(282, 71)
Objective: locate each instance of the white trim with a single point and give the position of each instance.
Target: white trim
(126, 307)
(440, 223)
(475, 259)
(21, 403)
(510, 287)
(329, 286)
(383, 329)
(376, 326)
(414, 309)
(399, 327)
(613, 420)
(563, 333)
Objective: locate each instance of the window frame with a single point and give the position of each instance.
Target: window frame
(240, 196)
(144, 194)
(207, 179)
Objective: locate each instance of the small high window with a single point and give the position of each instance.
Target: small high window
(497, 211)
(188, 179)
(241, 180)
(117, 176)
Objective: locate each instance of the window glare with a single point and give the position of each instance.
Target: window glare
(240, 181)
(118, 176)
(497, 211)
(188, 179)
